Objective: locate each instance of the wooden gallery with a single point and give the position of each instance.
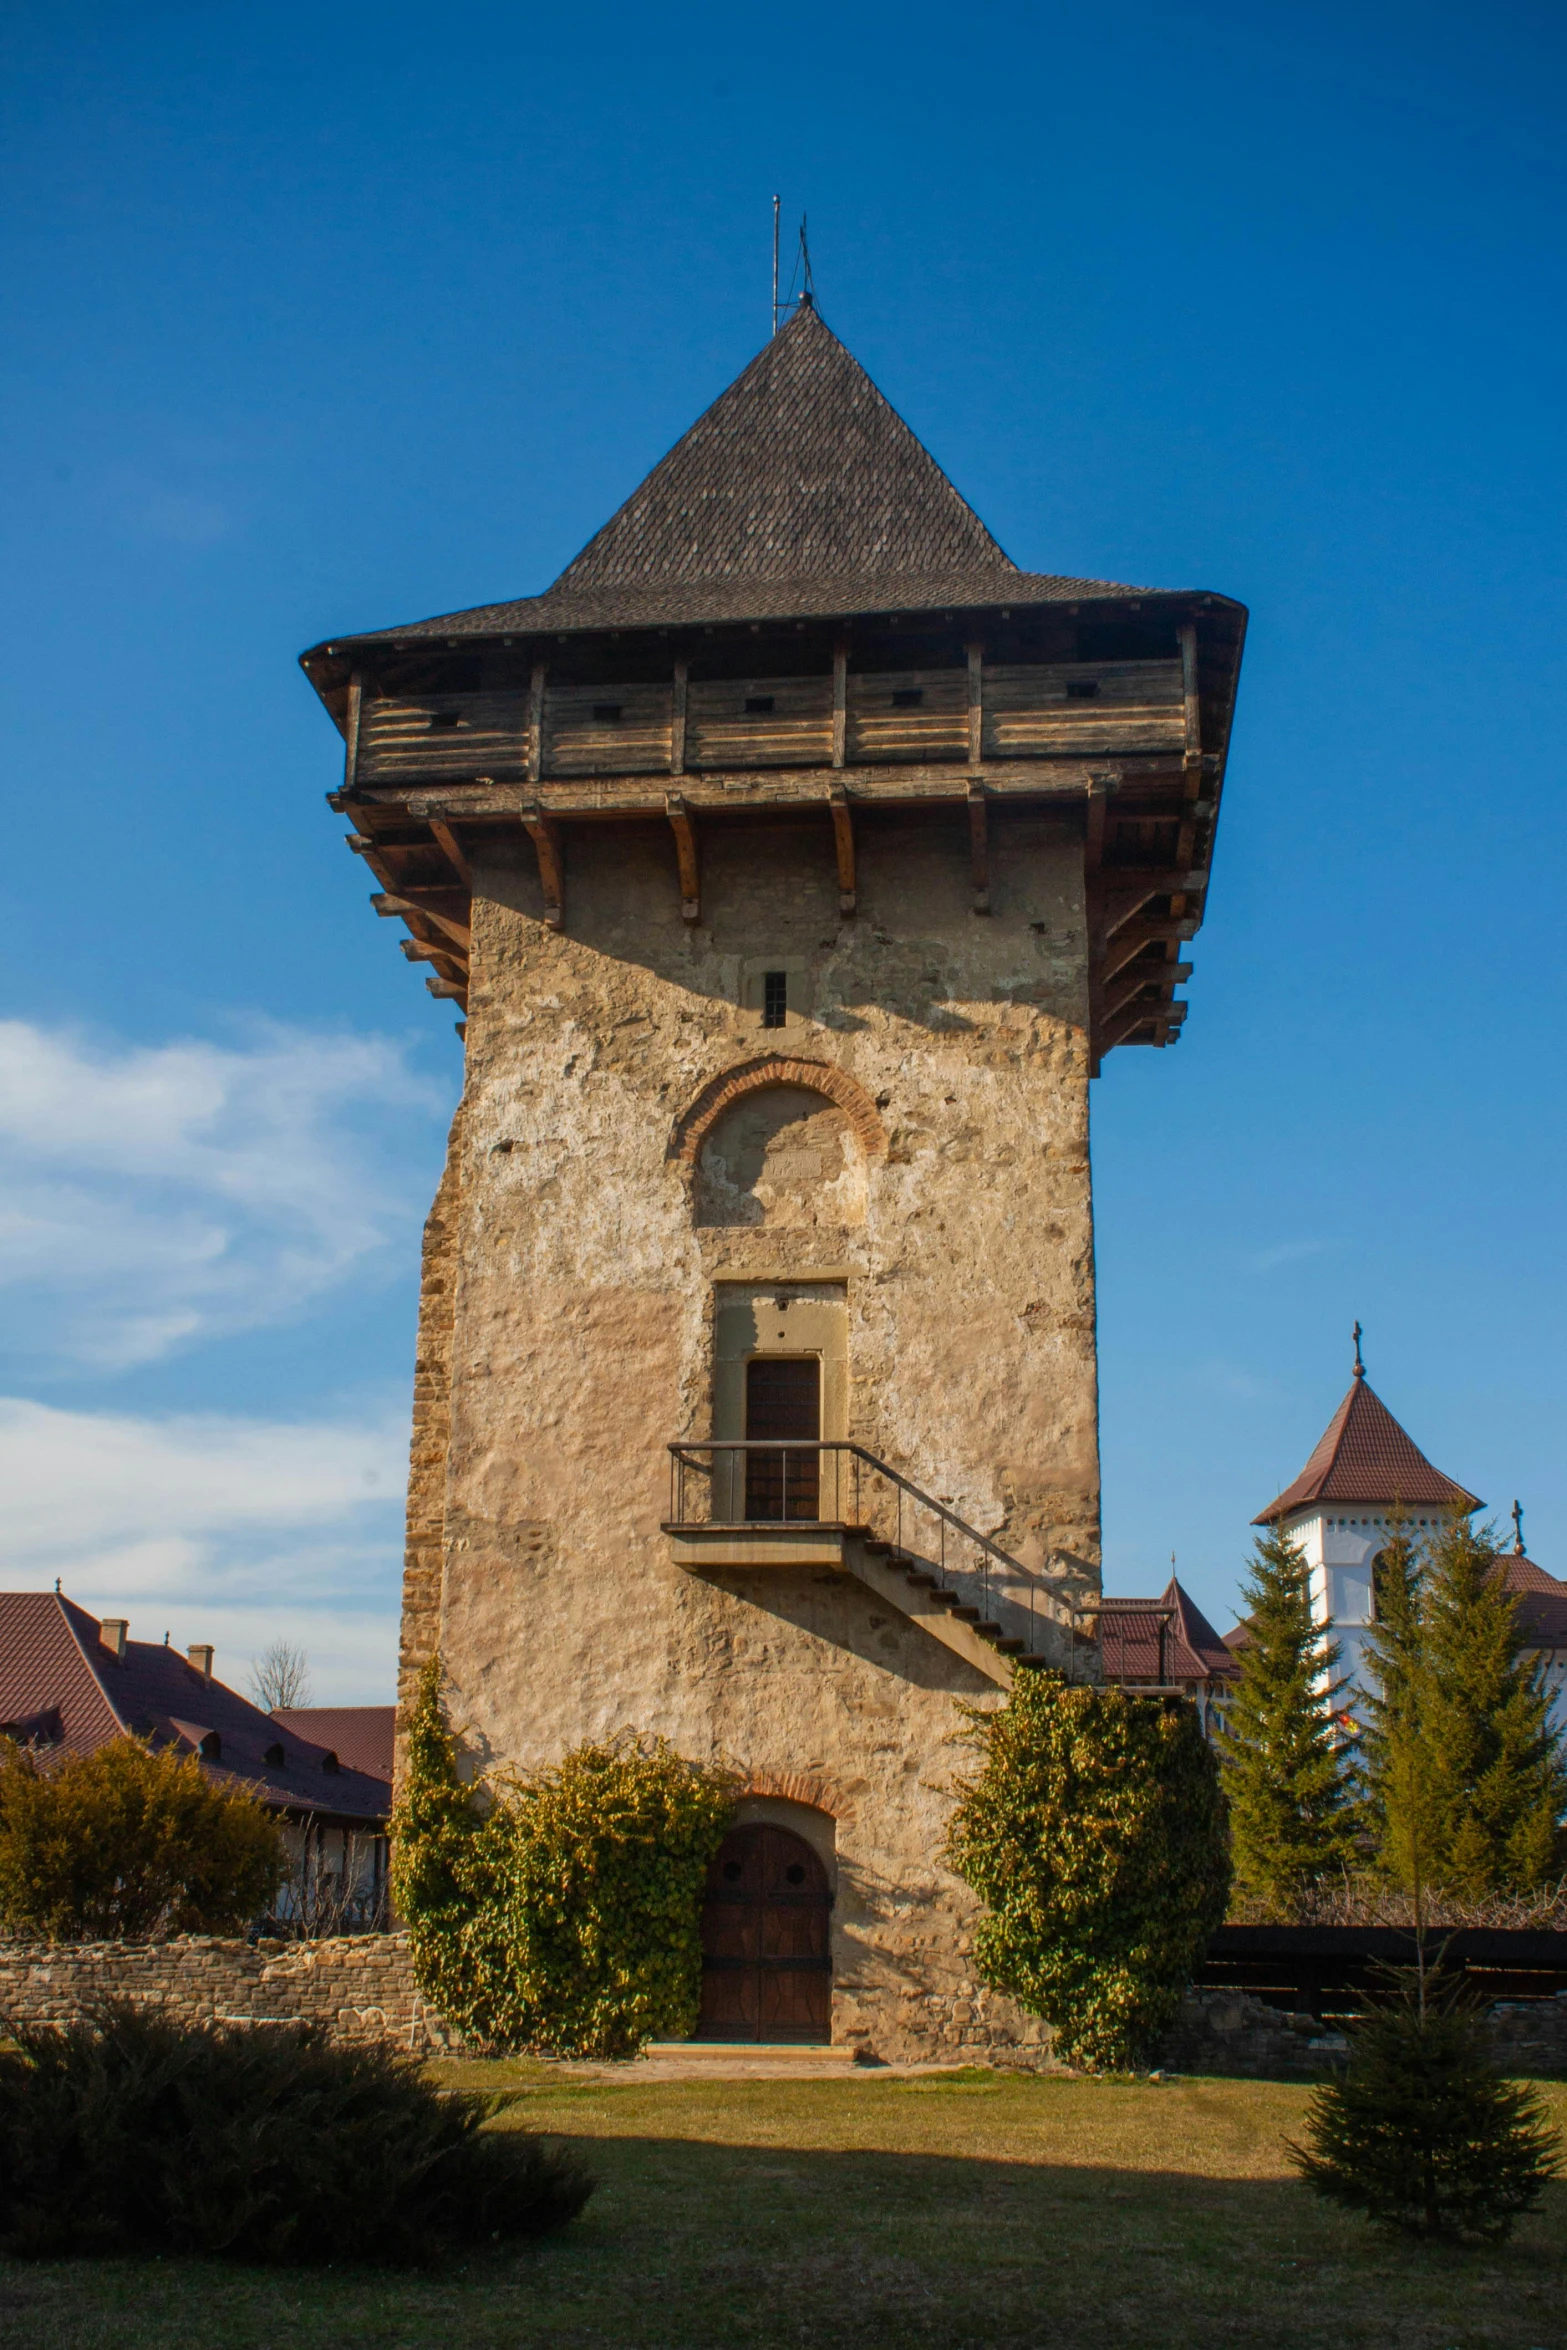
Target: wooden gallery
(794, 861)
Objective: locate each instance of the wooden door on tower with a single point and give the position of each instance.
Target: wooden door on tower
(783, 1405)
(766, 1943)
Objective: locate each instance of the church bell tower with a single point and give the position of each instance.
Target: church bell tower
(794, 861)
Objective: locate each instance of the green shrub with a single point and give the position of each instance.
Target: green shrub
(559, 1909)
(125, 1843)
(1094, 1832)
(134, 2134)
(1419, 2133)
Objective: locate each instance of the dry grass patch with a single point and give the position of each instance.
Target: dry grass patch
(968, 2211)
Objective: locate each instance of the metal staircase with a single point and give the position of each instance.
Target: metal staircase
(740, 1505)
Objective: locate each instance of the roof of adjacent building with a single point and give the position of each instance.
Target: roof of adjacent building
(63, 1693)
(1365, 1456)
(800, 493)
(359, 1735)
(1542, 1600)
(1129, 1639)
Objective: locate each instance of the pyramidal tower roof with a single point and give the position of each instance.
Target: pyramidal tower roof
(799, 469)
(1365, 1456)
(799, 493)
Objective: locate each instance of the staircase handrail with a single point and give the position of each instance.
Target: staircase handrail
(894, 1476)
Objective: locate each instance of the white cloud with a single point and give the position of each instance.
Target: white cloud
(153, 1196)
(210, 1527)
(1290, 1252)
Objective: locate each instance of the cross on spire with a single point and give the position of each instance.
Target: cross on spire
(1518, 1529)
(1357, 1334)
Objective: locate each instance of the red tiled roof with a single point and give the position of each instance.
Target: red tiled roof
(1129, 1639)
(1521, 1574)
(359, 1735)
(1365, 1456)
(52, 1660)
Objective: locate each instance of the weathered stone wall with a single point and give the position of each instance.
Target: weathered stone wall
(588, 1257)
(431, 1429)
(1231, 2032)
(360, 1986)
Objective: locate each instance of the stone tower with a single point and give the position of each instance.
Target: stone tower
(795, 860)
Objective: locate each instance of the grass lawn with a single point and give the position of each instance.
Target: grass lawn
(961, 2209)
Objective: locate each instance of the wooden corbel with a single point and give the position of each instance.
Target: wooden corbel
(451, 848)
(843, 838)
(544, 833)
(979, 845)
(686, 850)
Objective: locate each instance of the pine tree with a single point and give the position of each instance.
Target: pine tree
(1288, 1769)
(1399, 1795)
(1494, 1768)
(1419, 2133)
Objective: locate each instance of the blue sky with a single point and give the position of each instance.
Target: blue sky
(325, 320)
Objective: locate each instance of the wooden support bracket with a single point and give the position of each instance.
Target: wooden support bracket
(536, 723)
(351, 736)
(976, 703)
(840, 701)
(686, 850)
(843, 837)
(450, 990)
(544, 833)
(451, 848)
(979, 845)
(414, 910)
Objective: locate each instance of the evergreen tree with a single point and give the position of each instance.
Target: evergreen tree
(1288, 1769)
(1491, 1763)
(1420, 2133)
(1399, 1793)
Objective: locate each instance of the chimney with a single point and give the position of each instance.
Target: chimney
(201, 1659)
(112, 1634)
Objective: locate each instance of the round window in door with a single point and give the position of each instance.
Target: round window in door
(766, 1947)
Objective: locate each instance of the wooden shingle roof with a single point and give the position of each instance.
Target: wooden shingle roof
(799, 493)
(1365, 1456)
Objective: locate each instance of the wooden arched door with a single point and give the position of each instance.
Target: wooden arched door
(766, 1943)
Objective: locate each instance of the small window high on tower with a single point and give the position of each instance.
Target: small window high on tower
(775, 998)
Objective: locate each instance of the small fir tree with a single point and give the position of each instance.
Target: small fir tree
(1419, 2133)
(1492, 1765)
(1094, 1832)
(1288, 1765)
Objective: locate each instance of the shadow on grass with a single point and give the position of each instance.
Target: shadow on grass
(690, 2245)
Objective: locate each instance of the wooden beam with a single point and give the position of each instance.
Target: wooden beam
(976, 703)
(413, 911)
(1193, 701)
(351, 734)
(363, 846)
(1137, 982)
(536, 723)
(1120, 1027)
(686, 851)
(449, 990)
(446, 960)
(840, 701)
(447, 842)
(544, 833)
(843, 840)
(1129, 944)
(1098, 810)
(677, 724)
(979, 845)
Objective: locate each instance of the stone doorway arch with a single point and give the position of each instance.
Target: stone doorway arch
(766, 1940)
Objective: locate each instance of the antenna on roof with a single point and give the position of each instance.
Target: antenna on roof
(1518, 1529)
(1357, 1334)
(800, 274)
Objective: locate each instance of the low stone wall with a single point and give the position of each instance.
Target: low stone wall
(1230, 2032)
(360, 1986)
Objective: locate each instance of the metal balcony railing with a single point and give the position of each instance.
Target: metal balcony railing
(841, 1487)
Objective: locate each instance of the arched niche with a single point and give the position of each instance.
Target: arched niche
(780, 1142)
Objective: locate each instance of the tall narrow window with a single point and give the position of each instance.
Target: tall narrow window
(783, 1415)
(775, 998)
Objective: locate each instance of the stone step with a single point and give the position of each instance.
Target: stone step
(714, 2060)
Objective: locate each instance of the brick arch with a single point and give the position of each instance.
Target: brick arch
(796, 1787)
(731, 1085)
